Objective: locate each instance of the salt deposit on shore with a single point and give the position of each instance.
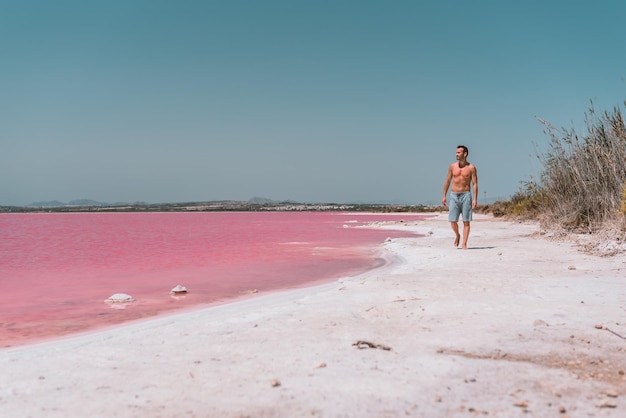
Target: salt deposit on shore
(517, 325)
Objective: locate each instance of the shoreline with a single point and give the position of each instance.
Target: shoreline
(515, 325)
(228, 306)
(65, 298)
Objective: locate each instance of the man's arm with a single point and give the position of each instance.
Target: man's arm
(475, 187)
(446, 185)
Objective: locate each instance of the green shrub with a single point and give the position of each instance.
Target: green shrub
(527, 202)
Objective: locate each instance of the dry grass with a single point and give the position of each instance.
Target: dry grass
(583, 177)
(582, 188)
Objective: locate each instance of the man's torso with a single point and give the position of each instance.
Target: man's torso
(461, 177)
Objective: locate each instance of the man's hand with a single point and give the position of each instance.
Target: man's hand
(444, 201)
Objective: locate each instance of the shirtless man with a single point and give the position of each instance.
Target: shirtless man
(463, 176)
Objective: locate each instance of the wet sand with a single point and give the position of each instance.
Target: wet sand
(517, 325)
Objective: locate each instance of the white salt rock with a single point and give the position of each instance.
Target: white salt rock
(119, 298)
(179, 289)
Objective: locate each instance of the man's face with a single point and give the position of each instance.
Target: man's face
(460, 154)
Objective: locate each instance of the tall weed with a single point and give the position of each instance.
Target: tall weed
(583, 177)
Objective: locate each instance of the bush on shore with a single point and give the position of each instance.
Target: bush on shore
(583, 177)
(582, 188)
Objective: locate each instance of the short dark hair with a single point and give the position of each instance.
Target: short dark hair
(465, 150)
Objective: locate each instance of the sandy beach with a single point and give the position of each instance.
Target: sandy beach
(518, 325)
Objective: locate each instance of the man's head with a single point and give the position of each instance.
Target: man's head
(461, 152)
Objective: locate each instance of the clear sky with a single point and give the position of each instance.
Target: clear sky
(314, 101)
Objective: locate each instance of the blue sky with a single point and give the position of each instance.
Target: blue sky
(314, 101)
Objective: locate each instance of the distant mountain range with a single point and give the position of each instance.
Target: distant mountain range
(78, 202)
(49, 204)
(95, 203)
(254, 201)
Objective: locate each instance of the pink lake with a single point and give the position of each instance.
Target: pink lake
(56, 269)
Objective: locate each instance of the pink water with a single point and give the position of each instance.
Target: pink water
(56, 269)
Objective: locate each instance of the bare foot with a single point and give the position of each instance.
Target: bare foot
(456, 240)
(465, 246)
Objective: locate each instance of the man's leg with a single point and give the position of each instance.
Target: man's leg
(455, 228)
(466, 231)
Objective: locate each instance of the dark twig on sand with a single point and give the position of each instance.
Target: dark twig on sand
(615, 333)
(367, 344)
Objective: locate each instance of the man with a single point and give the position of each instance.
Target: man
(462, 174)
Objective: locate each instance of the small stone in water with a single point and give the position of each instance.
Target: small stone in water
(179, 289)
(119, 298)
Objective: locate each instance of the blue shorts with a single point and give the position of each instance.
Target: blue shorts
(460, 203)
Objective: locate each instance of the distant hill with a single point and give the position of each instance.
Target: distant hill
(56, 203)
(255, 201)
(47, 204)
(86, 202)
